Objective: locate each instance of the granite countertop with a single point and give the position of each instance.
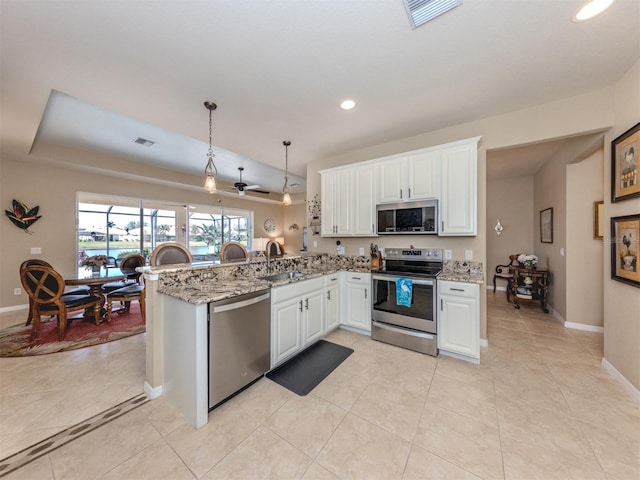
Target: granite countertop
(212, 290)
(462, 271)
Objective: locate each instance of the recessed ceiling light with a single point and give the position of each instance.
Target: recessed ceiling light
(347, 104)
(591, 9)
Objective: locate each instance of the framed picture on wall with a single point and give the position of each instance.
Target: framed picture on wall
(624, 249)
(625, 183)
(546, 225)
(598, 220)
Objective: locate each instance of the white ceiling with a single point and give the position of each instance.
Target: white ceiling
(279, 69)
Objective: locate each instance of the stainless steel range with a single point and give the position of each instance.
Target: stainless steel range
(397, 320)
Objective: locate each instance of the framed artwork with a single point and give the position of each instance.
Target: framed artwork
(598, 220)
(546, 225)
(624, 249)
(624, 165)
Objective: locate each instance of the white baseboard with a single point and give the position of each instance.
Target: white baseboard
(626, 384)
(484, 342)
(13, 308)
(152, 392)
(498, 289)
(585, 327)
(459, 357)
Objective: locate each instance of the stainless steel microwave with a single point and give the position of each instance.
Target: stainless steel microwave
(417, 218)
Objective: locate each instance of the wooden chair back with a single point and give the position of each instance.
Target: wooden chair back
(170, 253)
(43, 284)
(232, 251)
(129, 264)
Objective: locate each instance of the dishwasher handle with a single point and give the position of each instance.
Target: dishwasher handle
(241, 304)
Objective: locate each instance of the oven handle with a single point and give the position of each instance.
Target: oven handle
(403, 331)
(390, 278)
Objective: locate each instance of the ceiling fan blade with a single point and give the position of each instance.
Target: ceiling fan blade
(251, 187)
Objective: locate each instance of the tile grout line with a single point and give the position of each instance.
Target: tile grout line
(48, 445)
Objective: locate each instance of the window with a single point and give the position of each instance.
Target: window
(119, 226)
(210, 227)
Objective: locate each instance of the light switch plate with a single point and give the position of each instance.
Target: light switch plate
(315, 244)
(36, 250)
(361, 250)
(468, 254)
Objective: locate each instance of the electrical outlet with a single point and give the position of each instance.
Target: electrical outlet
(315, 244)
(468, 254)
(205, 275)
(361, 250)
(17, 291)
(447, 254)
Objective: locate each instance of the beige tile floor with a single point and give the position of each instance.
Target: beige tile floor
(44, 394)
(539, 406)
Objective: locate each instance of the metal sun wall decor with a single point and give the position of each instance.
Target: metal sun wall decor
(22, 216)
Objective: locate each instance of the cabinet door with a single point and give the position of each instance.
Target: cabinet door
(342, 203)
(332, 306)
(313, 325)
(392, 174)
(459, 190)
(329, 187)
(286, 335)
(358, 301)
(424, 175)
(364, 210)
(459, 326)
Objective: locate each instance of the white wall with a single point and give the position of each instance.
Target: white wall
(621, 301)
(584, 272)
(510, 200)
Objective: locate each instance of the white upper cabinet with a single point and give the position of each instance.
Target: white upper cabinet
(336, 203)
(458, 199)
(364, 203)
(412, 177)
(424, 175)
(348, 201)
(446, 172)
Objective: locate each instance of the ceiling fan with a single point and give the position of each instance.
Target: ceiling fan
(241, 186)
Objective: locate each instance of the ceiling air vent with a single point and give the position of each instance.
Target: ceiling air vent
(421, 11)
(143, 141)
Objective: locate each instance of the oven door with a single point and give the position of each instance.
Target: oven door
(421, 315)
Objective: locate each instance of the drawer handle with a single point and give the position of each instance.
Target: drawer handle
(356, 278)
(457, 289)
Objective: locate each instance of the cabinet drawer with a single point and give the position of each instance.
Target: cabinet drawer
(356, 277)
(296, 289)
(459, 289)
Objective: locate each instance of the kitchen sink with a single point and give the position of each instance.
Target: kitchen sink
(282, 276)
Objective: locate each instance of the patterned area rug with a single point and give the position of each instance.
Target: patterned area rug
(16, 341)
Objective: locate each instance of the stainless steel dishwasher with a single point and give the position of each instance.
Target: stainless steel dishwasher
(239, 343)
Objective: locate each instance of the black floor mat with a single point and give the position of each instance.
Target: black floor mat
(307, 369)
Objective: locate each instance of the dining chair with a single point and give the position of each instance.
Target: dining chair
(170, 253)
(504, 272)
(80, 290)
(232, 251)
(125, 296)
(128, 267)
(45, 288)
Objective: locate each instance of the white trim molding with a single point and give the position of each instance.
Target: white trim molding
(13, 308)
(584, 326)
(626, 384)
(152, 392)
(484, 342)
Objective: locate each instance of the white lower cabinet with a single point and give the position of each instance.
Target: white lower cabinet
(296, 317)
(459, 320)
(357, 300)
(332, 301)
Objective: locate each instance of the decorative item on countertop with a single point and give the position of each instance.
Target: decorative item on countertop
(529, 260)
(314, 211)
(376, 257)
(22, 216)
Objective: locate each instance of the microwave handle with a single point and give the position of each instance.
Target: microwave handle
(389, 278)
(409, 192)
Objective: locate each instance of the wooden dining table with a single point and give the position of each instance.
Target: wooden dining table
(95, 281)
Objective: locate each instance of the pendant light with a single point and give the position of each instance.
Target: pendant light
(210, 170)
(286, 197)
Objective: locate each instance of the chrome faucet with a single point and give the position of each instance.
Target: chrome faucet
(268, 248)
